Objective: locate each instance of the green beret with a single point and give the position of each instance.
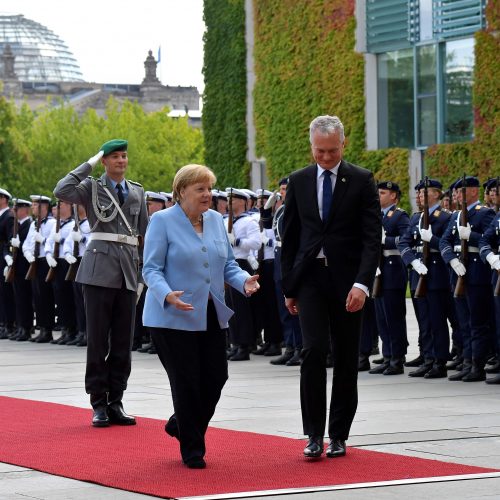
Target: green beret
(114, 145)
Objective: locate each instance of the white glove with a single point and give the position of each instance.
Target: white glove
(38, 237)
(50, 260)
(5, 271)
(254, 263)
(70, 259)
(464, 232)
(458, 267)
(264, 238)
(426, 234)
(76, 236)
(378, 272)
(493, 261)
(140, 288)
(419, 266)
(9, 260)
(15, 242)
(271, 201)
(383, 236)
(231, 238)
(29, 256)
(95, 159)
(56, 237)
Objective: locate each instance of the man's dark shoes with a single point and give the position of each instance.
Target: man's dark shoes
(118, 416)
(363, 363)
(295, 360)
(415, 362)
(196, 463)
(336, 448)
(494, 380)
(495, 368)
(100, 417)
(242, 354)
(422, 369)
(314, 447)
(171, 427)
(439, 370)
(284, 358)
(377, 370)
(273, 350)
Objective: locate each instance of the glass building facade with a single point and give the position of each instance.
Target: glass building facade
(425, 61)
(40, 55)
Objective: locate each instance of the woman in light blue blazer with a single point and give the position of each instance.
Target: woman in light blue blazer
(187, 260)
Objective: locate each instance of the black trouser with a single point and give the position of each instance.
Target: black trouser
(23, 296)
(324, 319)
(81, 322)
(7, 307)
(110, 315)
(196, 366)
(43, 296)
(63, 294)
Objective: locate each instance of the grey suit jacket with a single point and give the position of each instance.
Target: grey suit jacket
(106, 263)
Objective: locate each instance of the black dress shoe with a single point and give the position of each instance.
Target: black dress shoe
(363, 363)
(284, 358)
(242, 354)
(261, 350)
(118, 416)
(439, 370)
(196, 463)
(455, 363)
(494, 380)
(336, 448)
(422, 369)
(146, 348)
(171, 427)
(415, 362)
(152, 349)
(475, 375)
(273, 350)
(23, 335)
(100, 417)
(314, 447)
(295, 360)
(378, 370)
(44, 337)
(394, 370)
(378, 361)
(493, 368)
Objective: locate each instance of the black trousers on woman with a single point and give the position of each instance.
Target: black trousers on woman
(196, 366)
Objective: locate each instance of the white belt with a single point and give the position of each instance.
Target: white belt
(389, 253)
(458, 248)
(277, 243)
(421, 249)
(117, 238)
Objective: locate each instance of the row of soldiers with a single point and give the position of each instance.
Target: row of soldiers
(447, 253)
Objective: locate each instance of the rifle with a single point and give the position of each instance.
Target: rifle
(464, 247)
(73, 268)
(11, 272)
(497, 206)
(421, 290)
(377, 282)
(31, 274)
(230, 211)
(260, 252)
(53, 270)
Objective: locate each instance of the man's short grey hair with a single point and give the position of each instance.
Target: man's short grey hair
(326, 125)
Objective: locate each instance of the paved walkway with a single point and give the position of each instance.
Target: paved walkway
(437, 419)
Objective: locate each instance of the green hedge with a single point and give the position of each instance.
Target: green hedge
(224, 98)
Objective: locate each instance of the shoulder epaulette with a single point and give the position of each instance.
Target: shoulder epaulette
(135, 183)
(478, 207)
(446, 211)
(90, 177)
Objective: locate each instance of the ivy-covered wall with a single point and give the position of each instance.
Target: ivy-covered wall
(224, 98)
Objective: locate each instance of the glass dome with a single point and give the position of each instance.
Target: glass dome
(40, 55)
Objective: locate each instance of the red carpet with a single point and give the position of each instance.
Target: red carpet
(58, 439)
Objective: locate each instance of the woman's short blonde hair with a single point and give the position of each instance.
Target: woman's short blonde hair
(191, 174)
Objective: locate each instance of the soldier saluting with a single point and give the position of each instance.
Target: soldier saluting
(109, 273)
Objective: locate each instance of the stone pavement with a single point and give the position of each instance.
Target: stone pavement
(437, 419)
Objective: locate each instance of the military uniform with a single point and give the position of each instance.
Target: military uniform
(7, 307)
(109, 272)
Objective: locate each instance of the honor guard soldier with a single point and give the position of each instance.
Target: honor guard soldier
(390, 307)
(476, 275)
(168, 199)
(222, 203)
(245, 240)
(109, 272)
(292, 334)
(63, 290)
(73, 250)
(23, 297)
(489, 249)
(419, 249)
(34, 252)
(7, 308)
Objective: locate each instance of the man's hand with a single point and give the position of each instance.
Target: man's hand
(493, 261)
(15, 242)
(70, 259)
(464, 232)
(50, 260)
(383, 236)
(56, 237)
(292, 305)
(355, 300)
(9, 260)
(251, 284)
(76, 236)
(419, 266)
(426, 234)
(173, 299)
(95, 159)
(264, 238)
(38, 237)
(378, 272)
(458, 267)
(271, 201)
(29, 256)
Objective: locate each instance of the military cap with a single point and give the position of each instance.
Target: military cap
(221, 194)
(168, 196)
(419, 186)
(490, 183)
(114, 145)
(4, 192)
(18, 202)
(251, 194)
(283, 181)
(237, 193)
(431, 183)
(391, 186)
(153, 196)
(470, 181)
(40, 198)
(263, 193)
(215, 193)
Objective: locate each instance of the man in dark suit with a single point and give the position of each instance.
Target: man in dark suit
(331, 245)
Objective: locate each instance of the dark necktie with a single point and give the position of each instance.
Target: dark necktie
(119, 189)
(327, 194)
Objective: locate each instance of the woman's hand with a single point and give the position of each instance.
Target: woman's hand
(251, 284)
(173, 299)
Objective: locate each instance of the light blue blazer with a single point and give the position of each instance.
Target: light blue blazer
(176, 258)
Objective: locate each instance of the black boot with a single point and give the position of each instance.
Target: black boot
(378, 370)
(493, 368)
(363, 363)
(295, 360)
(99, 404)
(494, 380)
(77, 339)
(466, 368)
(419, 360)
(116, 412)
(242, 354)
(273, 350)
(396, 367)
(423, 369)
(23, 335)
(68, 335)
(285, 357)
(44, 337)
(438, 370)
(14, 335)
(3, 332)
(262, 349)
(83, 340)
(477, 373)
